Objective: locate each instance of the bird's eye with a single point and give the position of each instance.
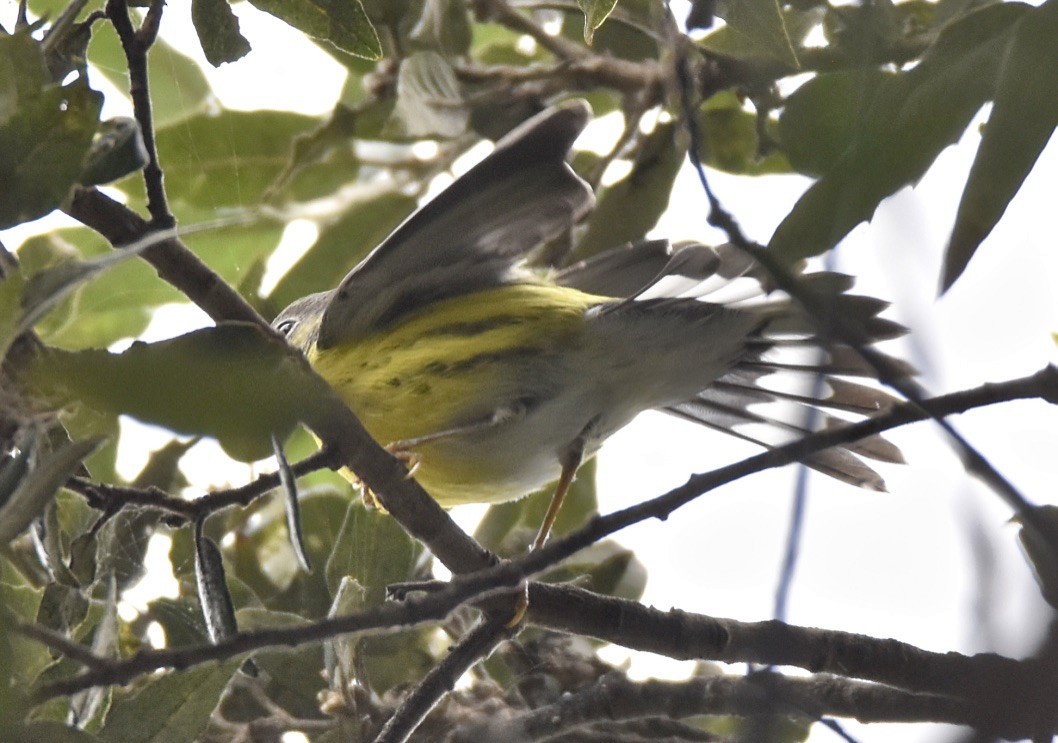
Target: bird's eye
(286, 326)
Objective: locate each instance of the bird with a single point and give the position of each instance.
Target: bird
(492, 378)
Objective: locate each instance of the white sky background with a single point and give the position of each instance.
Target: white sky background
(902, 564)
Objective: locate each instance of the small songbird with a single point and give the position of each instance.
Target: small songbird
(492, 379)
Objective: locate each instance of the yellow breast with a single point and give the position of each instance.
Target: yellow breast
(453, 365)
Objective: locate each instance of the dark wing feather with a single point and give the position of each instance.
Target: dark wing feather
(621, 272)
(469, 237)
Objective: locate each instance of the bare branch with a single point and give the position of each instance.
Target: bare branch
(474, 647)
(136, 44)
(173, 261)
(502, 13)
(616, 698)
(841, 329)
(612, 619)
(111, 498)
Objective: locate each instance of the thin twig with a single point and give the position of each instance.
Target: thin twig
(615, 698)
(475, 646)
(677, 634)
(840, 328)
(111, 498)
(136, 44)
(120, 225)
(59, 642)
(432, 607)
(173, 261)
(504, 14)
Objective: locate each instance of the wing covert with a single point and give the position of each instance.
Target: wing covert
(470, 236)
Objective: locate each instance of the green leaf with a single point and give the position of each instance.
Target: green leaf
(295, 679)
(631, 31)
(343, 244)
(322, 513)
(339, 653)
(24, 658)
(62, 607)
(1022, 121)
(113, 305)
(64, 275)
(374, 550)
(595, 12)
(66, 43)
(228, 159)
(508, 529)
(231, 251)
(727, 41)
(231, 382)
(172, 708)
(630, 208)
(22, 73)
(11, 288)
(179, 89)
(62, 536)
(341, 22)
(763, 24)
(605, 568)
(218, 31)
(371, 552)
(822, 118)
(90, 706)
(322, 161)
(43, 143)
(429, 99)
(912, 118)
(47, 731)
(116, 151)
(75, 517)
(48, 473)
(730, 141)
(181, 619)
(261, 558)
(82, 422)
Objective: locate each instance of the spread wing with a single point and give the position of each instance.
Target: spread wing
(779, 359)
(470, 236)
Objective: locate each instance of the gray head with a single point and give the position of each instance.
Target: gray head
(300, 321)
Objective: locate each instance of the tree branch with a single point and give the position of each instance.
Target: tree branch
(173, 261)
(502, 13)
(994, 684)
(836, 326)
(111, 498)
(503, 579)
(569, 609)
(477, 645)
(676, 634)
(136, 44)
(616, 698)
